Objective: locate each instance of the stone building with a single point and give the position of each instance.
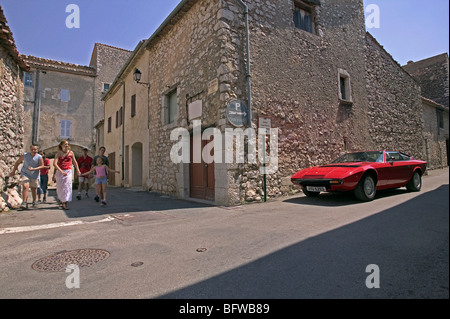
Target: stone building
(106, 60)
(436, 134)
(432, 74)
(63, 100)
(313, 73)
(12, 66)
(59, 104)
(126, 122)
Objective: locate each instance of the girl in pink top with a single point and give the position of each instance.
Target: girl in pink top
(100, 178)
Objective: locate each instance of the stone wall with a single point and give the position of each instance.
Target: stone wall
(395, 103)
(187, 56)
(11, 114)
(433, 76)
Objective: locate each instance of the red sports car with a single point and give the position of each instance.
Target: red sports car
(363, 173)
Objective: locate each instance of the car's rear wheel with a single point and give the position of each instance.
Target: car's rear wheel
(415, 184)
(310, 194)
(366, 189)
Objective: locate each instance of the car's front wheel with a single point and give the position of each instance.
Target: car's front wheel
(415, 184)
(366, 189)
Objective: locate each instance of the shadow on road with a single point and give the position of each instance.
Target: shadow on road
(341, 199)
(121, 200)
(409, 243)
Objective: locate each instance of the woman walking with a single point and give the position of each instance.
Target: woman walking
(63, 162)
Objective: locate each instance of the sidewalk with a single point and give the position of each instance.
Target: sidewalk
(120, 201)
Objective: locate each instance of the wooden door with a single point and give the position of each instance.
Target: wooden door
(112, 165)
(202, 179)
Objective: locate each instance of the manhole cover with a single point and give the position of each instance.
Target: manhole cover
(60, 261)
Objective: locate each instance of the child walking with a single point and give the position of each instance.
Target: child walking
(100, 178)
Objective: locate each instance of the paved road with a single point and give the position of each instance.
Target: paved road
(293, 247)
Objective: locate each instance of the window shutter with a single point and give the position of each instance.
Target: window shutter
(62, 130)
(66, 127)
(173, 106)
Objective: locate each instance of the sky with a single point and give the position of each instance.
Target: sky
(408, 29)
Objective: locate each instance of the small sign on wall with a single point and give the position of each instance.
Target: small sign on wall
(213, 86)
(264, 122)
(195, 109)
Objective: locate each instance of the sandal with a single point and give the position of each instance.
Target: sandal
(65, 207)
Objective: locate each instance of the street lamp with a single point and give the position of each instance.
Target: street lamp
(137, 77)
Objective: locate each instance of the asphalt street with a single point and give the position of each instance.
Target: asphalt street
(149, 246)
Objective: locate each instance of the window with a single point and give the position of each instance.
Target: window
(28, 79)
(304, 16)
(440, 115)
(105, 87)
(396, 156)
(119, 117)
(133, 105)
(109, 124)
(343, 88)
(65, 131)
(171, 107)
(345, 92)
(64, 95)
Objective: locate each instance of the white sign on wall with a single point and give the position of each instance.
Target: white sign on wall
(195, 109)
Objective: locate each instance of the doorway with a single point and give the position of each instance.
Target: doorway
(136, 166)
(112, 165)
(202, 179)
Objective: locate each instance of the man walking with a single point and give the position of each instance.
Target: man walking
(85, 164)
(32, 163)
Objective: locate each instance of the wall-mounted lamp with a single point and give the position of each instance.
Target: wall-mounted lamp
(137, 77)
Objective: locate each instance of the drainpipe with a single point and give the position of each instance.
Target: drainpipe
(36, 111)
(248, 75)
(123, 136)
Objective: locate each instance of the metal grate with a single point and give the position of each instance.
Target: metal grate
(80, 257)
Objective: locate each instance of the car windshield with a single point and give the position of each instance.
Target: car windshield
(376, 156)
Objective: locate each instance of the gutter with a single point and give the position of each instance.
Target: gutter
(123, 134)
(36, 110)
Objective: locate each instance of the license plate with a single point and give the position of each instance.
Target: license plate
(316, 189)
